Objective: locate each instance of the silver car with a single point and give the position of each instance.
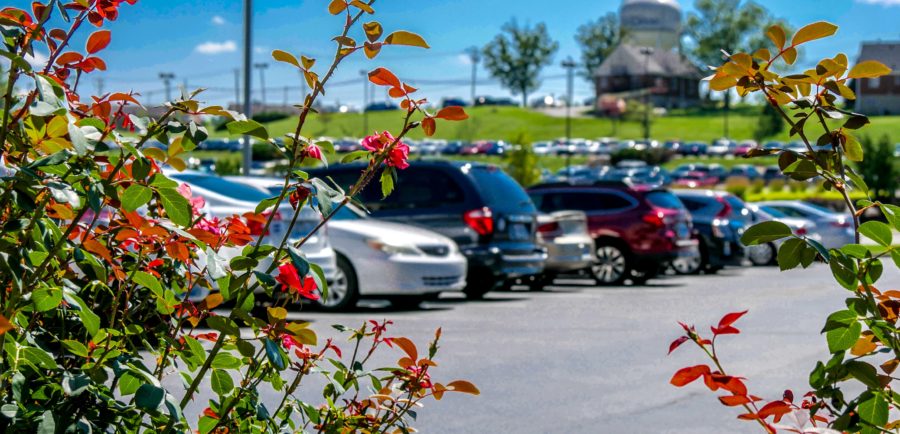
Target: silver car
(834, 229)
(766, 253)
(570, 248)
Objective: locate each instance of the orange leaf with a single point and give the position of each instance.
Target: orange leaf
(407, 346)
(428, 126)
(687, 375)
(98, 41)
(212, 301)
(5, 325)
(463, 386)
(396, 92)
(383, 77)
(337, 6)
(732, 401)
(95, 247)
(69, 57)
(452, 113)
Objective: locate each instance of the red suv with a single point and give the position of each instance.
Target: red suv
(637, 230)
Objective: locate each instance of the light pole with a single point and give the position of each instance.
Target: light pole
(237, 88)
(248, 61)
(570, 65)
(475, 57)
(262, 66)
(365, 114)
(167, 78)
(647, 52)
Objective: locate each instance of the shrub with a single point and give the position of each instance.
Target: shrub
(777, 185)
(852, 391)
(737, 185)
(757, 186)
(101, 250)
(797, 186)
(266, 117)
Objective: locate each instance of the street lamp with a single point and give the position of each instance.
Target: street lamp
(647, 52)
(570, 65)
(248, 104)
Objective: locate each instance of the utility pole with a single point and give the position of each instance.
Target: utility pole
(475, 57)
(570, 65)
(237, 89)
(647, 52)
(167, 78)
(365, 114)
(248, 104)
(100, 86)
(262, 81)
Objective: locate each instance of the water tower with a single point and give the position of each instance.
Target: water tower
(651, 23)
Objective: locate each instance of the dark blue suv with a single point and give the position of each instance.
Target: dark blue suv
(479, 206)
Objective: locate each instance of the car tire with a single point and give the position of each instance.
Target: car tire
(479, 285)
(687, 266)
(539, 282)
(343, 293)
(612, 265)
(762, 254)
(409, 302)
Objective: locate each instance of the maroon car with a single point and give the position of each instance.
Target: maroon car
(637, 230)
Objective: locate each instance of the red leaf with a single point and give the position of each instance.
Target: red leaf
(407, 346)
(677, 343)
(452, 113)
(776, 409)
(396, 92)
(727, 330)
(735, 400)
(69, 57)
(730, 318)
(748, 416)
(687, 375)
(98, 41)
(428, 126)
(716, 381)
(383, 77)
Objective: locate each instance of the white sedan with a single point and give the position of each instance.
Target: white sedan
(379, 259)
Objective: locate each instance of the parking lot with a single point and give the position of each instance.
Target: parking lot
(580, 358)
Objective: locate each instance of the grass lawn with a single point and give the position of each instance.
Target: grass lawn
(516, 124)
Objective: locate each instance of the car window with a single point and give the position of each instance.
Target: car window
(692, 205)
(498, 188)
(789, 211)
(416, 189)
(584, 201)
(738, 206)
(664, 199)
(224, 187)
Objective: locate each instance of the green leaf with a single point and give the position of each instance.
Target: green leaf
(299, 262)
(853, 149)
(266, 204)
(765, 232)
(129, 383)
(877, 231)
(353, 156)
(135, 197)
(148, 281)
(73, 385)
(387, 181)
(224, 325)
(149, 397)
(47, 425)
(248, 127)
(243, 263)
(892, 214)
(802, 170)
(221, 382)
(844, 270)
(789, 253)
(874, 410)
(45, 299)
(843, 338)
(318, 276)
(864, 372)
(38, 357)
(177, 207)
(274, 354)
(895, 255)
(226, 361)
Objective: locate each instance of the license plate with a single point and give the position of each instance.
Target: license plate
(682, 230)
(518, 231)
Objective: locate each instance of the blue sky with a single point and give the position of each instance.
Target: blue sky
(200, 41)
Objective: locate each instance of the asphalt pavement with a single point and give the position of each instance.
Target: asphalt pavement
(581, 358)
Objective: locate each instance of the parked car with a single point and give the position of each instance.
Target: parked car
(570, 248)
(412, 264)
(748, 171)
(766, 253)
(636, 230)
(835, 229)
(693, 148)
(694, 179)
(381, 106)
(541, 148)
(719, 220)
(477, 205)
(453, 148)
(721, 148)
(347, 145)
(225, 198)
(773, 145)
(771, 173)
(742, 148)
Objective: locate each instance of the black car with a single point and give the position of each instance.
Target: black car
(719, 221)
(479, 206)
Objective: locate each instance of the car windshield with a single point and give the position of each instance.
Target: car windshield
(819, 208)
(664, 199)
(222, 186)
(499, 188)
(772, 212)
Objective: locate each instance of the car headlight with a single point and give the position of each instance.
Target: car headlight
(393, 249)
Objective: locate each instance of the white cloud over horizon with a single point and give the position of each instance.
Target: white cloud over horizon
(39, 60)
(219, 20)
(880, 2)
(211, 47)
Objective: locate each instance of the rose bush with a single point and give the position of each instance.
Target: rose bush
(853, 390)
(101, 251)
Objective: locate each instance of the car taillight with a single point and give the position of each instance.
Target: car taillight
(726, 208)
(655, 218)
(481, 220)
(548, 227)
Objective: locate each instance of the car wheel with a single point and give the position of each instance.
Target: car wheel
(691, 265)
(409, 302)
(762, 254)
(537, 283)
(612, 265)
(477, 286)
(343, 292)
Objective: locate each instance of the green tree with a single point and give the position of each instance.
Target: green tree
(517, 55)
(597, 40)
(878, 168)
(769, 124)
(522, 162)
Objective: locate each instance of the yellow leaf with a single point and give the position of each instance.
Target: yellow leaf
(284, 56)
(175, 148)
(776, 35)
(790, 56)
(5, 325)
(373, 30)
(363, 6)
(402, 37)
(762, 54)
(63, 211)
(306, 337)
(463, 387)
(371, 50)
(743, 60)
(276, 314)
(307, 62)
(177, 163)
(58, 127)
(811, 32)
(337, 6)
(863, 346)
(721, 83)
(155, 153)
(841, 59)
(343, 40)
(213, 300)
(869, 69)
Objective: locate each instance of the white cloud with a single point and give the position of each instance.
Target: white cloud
(218, 20)
(39, 60)
(881, 2)
(216, 47)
